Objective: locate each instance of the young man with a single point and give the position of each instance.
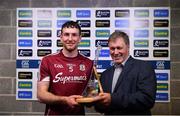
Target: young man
(64, 76)
(130, 85)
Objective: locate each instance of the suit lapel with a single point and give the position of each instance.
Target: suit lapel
(109, 79)
(124, 72)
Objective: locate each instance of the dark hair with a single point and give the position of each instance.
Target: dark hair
(117, 34)
(71, 24)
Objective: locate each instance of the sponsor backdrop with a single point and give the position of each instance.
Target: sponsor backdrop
(38, 31)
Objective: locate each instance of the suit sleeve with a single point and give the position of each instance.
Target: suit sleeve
(144, 97)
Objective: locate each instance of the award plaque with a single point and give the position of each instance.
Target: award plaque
(94, 86)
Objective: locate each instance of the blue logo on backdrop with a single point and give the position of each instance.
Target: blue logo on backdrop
(162, 96)
(102, 13)
(27, 63)
(83, 13)
(25, 43)
(44, 43)
(25, 94)
(121, 23)
(160, 64)
(161, 13)
(60, 23)
(141, 33)
(162, 76)
(104, 53)
(104, 64)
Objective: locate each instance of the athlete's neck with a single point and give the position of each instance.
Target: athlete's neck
(71, 54)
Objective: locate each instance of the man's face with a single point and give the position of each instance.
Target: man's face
(70, 38)
(119, 51)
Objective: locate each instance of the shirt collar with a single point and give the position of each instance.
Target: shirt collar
(122, 64)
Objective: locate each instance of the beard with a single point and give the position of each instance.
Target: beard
(70, 48)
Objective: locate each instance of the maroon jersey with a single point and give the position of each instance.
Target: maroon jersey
(67, 76)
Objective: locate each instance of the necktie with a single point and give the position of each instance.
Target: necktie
(117, 72)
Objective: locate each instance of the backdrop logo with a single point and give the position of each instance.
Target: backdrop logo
(25, 33)
(162, 86)
(59, 43)
(58, 33)
(44, 13)
(44, 33)
(102, 43)
(141, 53)
(161, 33)
(25, 94)
(160, 53)
(122, 13)
(102, 23)
(102, 13)
(25, 43)
(161, 64)
(25, 75)
(83, 13)
(24, 85)
(85, 33)
(44, 23)
(25, 13)
(141, 23)
(102, 33)
(161, 23)
(25, 23)
(64, 13)
(104, 64)
(60, 23)
(160, 43)
(84, 23)
(27, 63)
(141, 13)
(43, 52)
(141, 43)
(162, 76)
(44, 43)
(161, 13)
(25, 52)
(104, 53)
(85, 52)
(141, 33)
(121, 23)
(162, 96)
(84, 43)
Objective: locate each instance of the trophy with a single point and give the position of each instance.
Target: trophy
(94, 86)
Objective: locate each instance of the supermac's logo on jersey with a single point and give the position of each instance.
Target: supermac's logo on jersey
(102, 43)
(84, 23)
(85, 33)
(44, 33)
(122, 13)
(141, 43)
(25, 23)
(162, 96)
(122, 23)
(43, 52)
(141, 13)
(102, 13)
(160, 53)
(25, 75)
(102, 23)
(25, 33)
(25, 52)
(141, 33)
(60, 23)
(25, 43)
(104, 53)
(25, 13)
(141, 23)
(161, 33)
(160, 43)
(84, 43)
(25, 94)
(162, 86)
(161, 23)
(44, 43)
(83, 13)
(102, 33)
(25, 85)
(64, 13)
(141, 53)
(162, 76)
(44, 23)
(85, 52)
(161, 13)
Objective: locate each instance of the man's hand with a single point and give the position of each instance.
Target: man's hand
(105, 99)
(71, 100)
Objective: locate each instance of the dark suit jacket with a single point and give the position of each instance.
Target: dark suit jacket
(135, 90)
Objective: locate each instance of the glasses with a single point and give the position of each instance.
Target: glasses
(68, 34)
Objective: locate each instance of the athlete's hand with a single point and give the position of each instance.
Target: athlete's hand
(71, 100)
